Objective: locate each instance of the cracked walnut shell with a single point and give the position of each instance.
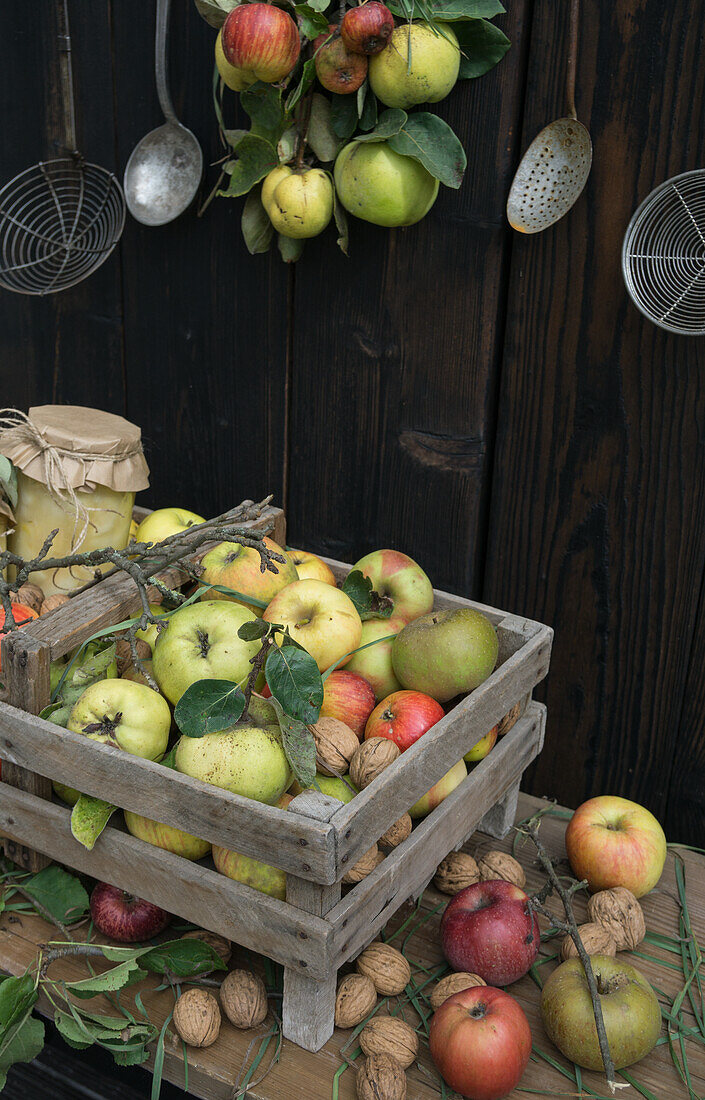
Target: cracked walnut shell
(336, 745)
(243, 998)
(620, 913)
(370, 760)
(596, 941)
(455, 872)
(380, 1077)
(355, 999)
(390, 1035)
(494, 865)
(197, 1018)
(386, 967)
(453, 983)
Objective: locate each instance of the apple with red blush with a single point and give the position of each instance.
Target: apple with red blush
(338, 69)
(121, 916)
(367, 28)
(348, 697)
(480, 1041)
(399, 577)
(614, 842)
(487, 929)
(261, 42)
(403, 717)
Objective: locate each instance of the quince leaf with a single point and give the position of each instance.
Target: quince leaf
(21, 1043)
(299, 745)
(209, 706)
(290, 248)
(255, 157)
(252, 630)
(341, 221)
(88, 819)
(368, 603)
(430, 140)
(256, 226)
(59, 892)
(311, 21)
(482, 46)
(183, 958)
(388, 125)
(295, 682)
(343, 115)
(321, 136)
(263, 103)
(215, 12)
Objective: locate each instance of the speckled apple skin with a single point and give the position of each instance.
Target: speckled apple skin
(486, 929)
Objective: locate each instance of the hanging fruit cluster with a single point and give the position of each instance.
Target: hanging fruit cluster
(332, 94)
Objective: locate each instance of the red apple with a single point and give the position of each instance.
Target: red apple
(367, 29)
(398, 576)
(403, 717)
(614, 842)
(480, 1040)
(338, 68)
(486, 929)
(261, 41)
(123, 917)
(348, 697)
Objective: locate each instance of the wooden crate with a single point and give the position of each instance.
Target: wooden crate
(317, 929)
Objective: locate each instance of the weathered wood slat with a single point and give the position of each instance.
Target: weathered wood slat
(297, 844)
(370, 904)
(193, 891)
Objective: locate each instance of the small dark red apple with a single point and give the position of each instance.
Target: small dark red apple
(125, 918)
(338, 69)
(403, 717)
(486, 929)
(261, 41)
(368, 28)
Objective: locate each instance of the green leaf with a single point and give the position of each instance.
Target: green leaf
(263, 103)
(311, 22)
(253, 630)
(215, 11)
(294, 680)
(59, 892)
(25, 1044)
(17, 995)
(430, 140)
(368, 603)
(290, 248)
(209, 706)
(388, 125)
(71, 1031)
(368, 115)
(341, 222)
(482, 46)
(112, 980)
(255, 157)
(308, 75)
(88, 819)
(319, 5)
(299, 745)
(234, 137)
(184, 958)
(288, 144)
(158, 1068)
(448, 10)
(343, 115)
(257, 229)
(169, 761)
(321, 136)
(8, 476)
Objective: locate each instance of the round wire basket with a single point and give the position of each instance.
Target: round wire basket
(663, 255)
(59, 221)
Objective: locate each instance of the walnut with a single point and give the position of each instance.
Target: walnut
(380, 1077)
(355, 999)
(619, 912)
(397, 833)
(510, 719)
(390, 1035)
(453, 983)
(51, 603)
(495, 865)
(455, 872)
(123, 653)
(30, 595)
(197, 1018)
(243, 998)
(220, 945)
(336, 745)
(597, 940)
(370, 760)
(364, 866)
(386, 967)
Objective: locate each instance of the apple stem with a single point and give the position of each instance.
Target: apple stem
(570, 927)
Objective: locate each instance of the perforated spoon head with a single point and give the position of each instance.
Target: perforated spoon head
(550, 177)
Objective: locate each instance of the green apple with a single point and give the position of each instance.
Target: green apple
(428, 77)
(67, 794)
(383, 187)
(166, 837)
(480, 750)
(246, 760)
(200, 642)
(165, 522)
(320, 618)
(330, 785)
(301, 204)
(251, 872)
(399, 577)
(239, 567)
(124, 714)
(445, 653)
(440, 790)
(630, 1010)
(231, 76)
(262, 712)
(270, 181)
(375, 662)
(310, 567)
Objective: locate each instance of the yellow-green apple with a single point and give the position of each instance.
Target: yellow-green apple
(201, 642)
(261, 711)
(310, 567)
(374, 663)
(245, 760)
(252, 872)
(239, 567)
(614, 842)
(124, 714)
(445, 653)
(367, 28)
(320, 618)
(123, 917)
(270, 181)
(630, 1010)
(397, 576)
(231, 77)
(261, 41)
(338, 69)
(164, 522)
(487, 929)
(480, 750)
(403, 717)
(166, 837)
(381, 186)
(480, 1041)
(348, 697)
(301, 204)
(440, 790)
(420, 65)
(67, 794)
(342, 789)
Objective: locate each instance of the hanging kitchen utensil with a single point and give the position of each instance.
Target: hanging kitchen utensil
(164, 171)
(60, 219)
(663, 255)
(555, 167)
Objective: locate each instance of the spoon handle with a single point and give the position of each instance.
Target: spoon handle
(572, 57)
(160, 61)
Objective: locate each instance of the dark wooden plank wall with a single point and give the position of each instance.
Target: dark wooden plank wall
(492, 404)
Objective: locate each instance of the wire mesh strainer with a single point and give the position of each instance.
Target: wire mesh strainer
(60, 219)
(663, 255)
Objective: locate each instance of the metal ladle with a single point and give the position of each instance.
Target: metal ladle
(555, 167)
(164, 171)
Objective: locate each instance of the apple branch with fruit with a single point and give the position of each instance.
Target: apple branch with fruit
(332, 99)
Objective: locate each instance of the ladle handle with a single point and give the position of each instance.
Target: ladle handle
(66, 72)
(572, 57)
(160, 60)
